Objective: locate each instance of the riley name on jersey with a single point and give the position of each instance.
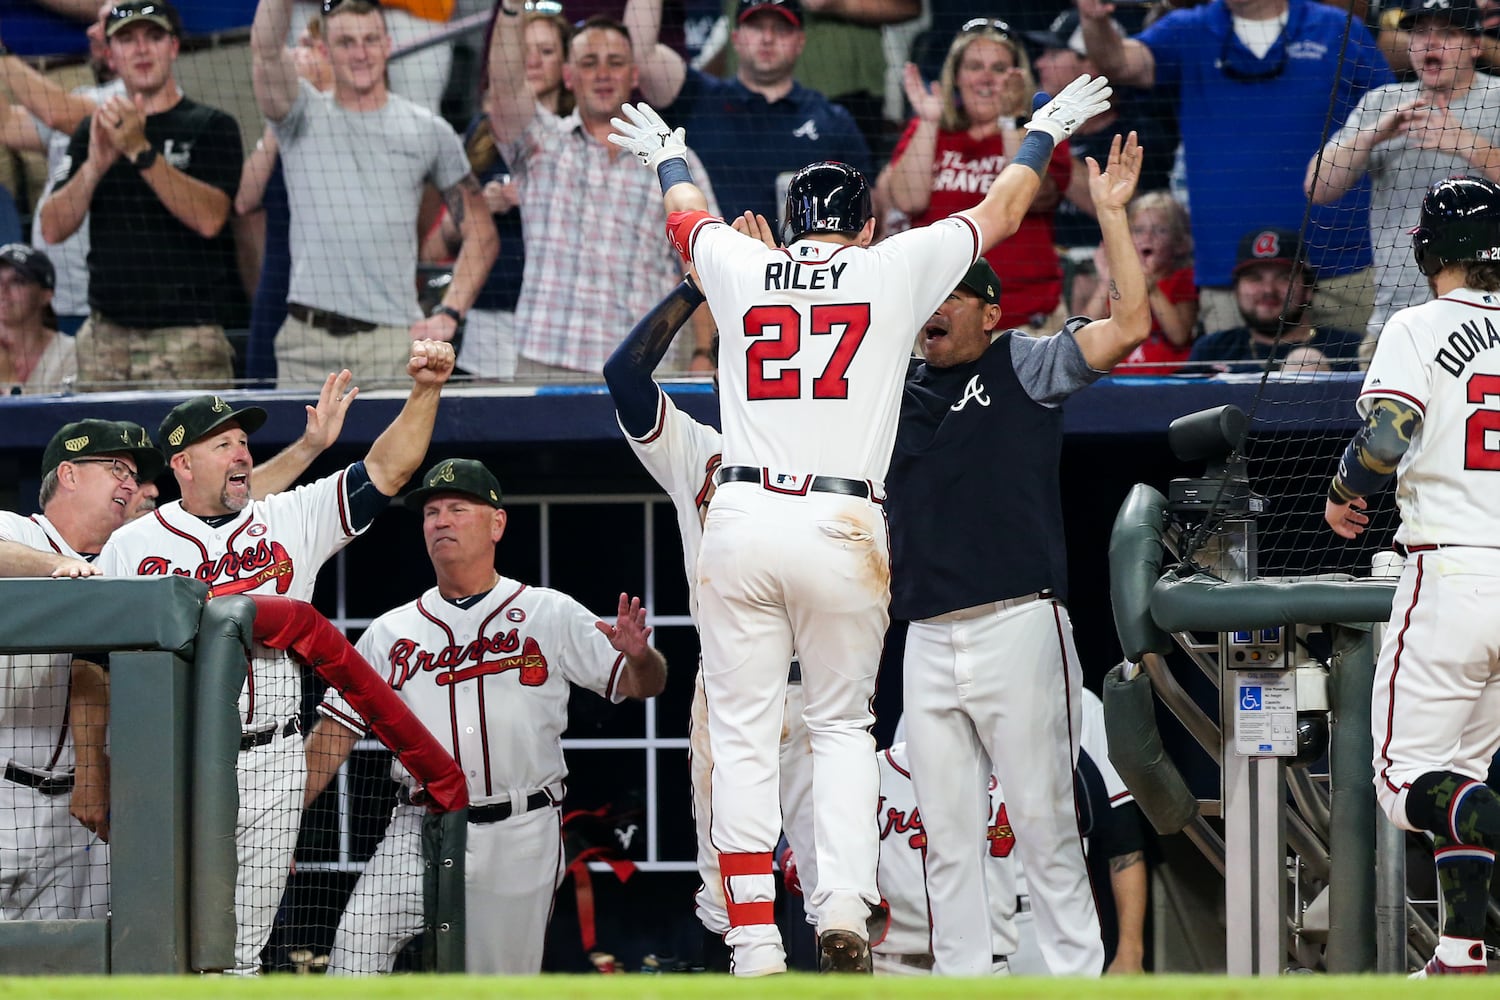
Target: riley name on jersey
(788, 274)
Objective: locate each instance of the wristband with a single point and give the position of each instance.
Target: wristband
(1035, 152)
(144, 159)
(442, 309)
(1338, 493)
(673, 171)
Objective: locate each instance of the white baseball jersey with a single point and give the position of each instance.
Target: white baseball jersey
(1443, 358)
(491, 681)
(51, 867)
(814, 340)
(903, 846)
(273, 546)
(34, 690)
(682, 455)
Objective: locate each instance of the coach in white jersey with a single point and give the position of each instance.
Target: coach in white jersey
(1431, 404)
(51, 867)
(486, 663)
(683, 455)
(217, 534)
(795, 555)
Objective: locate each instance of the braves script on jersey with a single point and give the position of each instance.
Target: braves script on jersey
(1442, 358)
(903, 846)
(491, 682)
(823, 338)
(273, 546)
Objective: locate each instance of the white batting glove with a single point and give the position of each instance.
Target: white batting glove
(647, 136)
(1079, 101)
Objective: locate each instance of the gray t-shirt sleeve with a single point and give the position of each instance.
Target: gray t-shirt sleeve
(291, 126)
(1051, 369)
(449, 165)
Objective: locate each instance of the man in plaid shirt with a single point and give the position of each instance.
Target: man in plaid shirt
(595, 257)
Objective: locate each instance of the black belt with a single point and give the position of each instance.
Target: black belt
(61, 785)
(502, 810)
(249, 741)
(331, 323)
(819, 484)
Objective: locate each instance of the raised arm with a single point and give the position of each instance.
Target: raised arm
(661, 68)
(645, 673)
(874, 12)
(399, 450)
(509, 102)
(56, 108)
(256, 174)
(628, 370)
(1011, 195)
(1105, 342)
(1343, 161)
(1126, 61)
(910, 177)
(324, 423)
(273, 70)
(643, 133)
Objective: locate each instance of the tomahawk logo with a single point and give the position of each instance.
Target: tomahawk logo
(975, 391)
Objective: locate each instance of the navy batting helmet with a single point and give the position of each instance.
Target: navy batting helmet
(827, 197)
(1460, 221)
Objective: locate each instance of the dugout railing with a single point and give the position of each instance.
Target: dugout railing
(177, 665)
(1161, 599)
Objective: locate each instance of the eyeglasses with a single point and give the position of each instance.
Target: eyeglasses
(117, 468)
(985, 24)
(1250, 70)
(329, 6)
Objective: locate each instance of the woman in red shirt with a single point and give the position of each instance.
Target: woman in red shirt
(1164, 242)
(966, 129)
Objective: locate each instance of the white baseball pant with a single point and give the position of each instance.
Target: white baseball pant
(272, 779)
(778, 573)
(53, 868)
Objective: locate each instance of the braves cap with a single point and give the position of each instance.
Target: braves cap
(789, 9)
(1065, 32)
(982, 281)
(201, 416)
(30, 263)
(1270, 245)
(84, 438)
(457, 475)
(1457, 13)
(156, 12)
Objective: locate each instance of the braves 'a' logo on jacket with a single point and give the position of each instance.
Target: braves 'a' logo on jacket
(240, 572)
(485, 655)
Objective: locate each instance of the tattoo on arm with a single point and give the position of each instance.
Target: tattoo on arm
(1120, 862)
(1114, 291)
(1375, 451)
(454, 198)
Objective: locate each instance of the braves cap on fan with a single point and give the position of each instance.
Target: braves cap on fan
(982, 281)
(84, 438)
(1460, 221)
(1455, 13)
(457, 475)
(1269, 245)
(201, 416)
(30, 263)
(827, 197)
(789, 9)
(156, 12)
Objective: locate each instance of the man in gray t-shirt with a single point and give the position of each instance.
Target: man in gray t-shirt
(356, 162)
(1444, 123)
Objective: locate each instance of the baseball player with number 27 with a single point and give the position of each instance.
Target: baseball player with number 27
(217, 534)
(1431, 404)
(795, 554)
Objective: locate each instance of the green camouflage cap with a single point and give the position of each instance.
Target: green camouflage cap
(84, 438)
(457, 475)
(201, 416)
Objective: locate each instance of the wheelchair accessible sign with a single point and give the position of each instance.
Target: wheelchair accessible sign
(1265, 713)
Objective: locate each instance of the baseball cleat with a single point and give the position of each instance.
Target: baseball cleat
(1437, 967)
(843, 951)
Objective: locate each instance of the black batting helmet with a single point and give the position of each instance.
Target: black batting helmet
(827, 197)
(1460, 221)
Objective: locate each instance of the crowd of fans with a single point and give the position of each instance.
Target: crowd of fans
(161, 255)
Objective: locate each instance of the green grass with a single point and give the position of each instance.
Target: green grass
(791, 987)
